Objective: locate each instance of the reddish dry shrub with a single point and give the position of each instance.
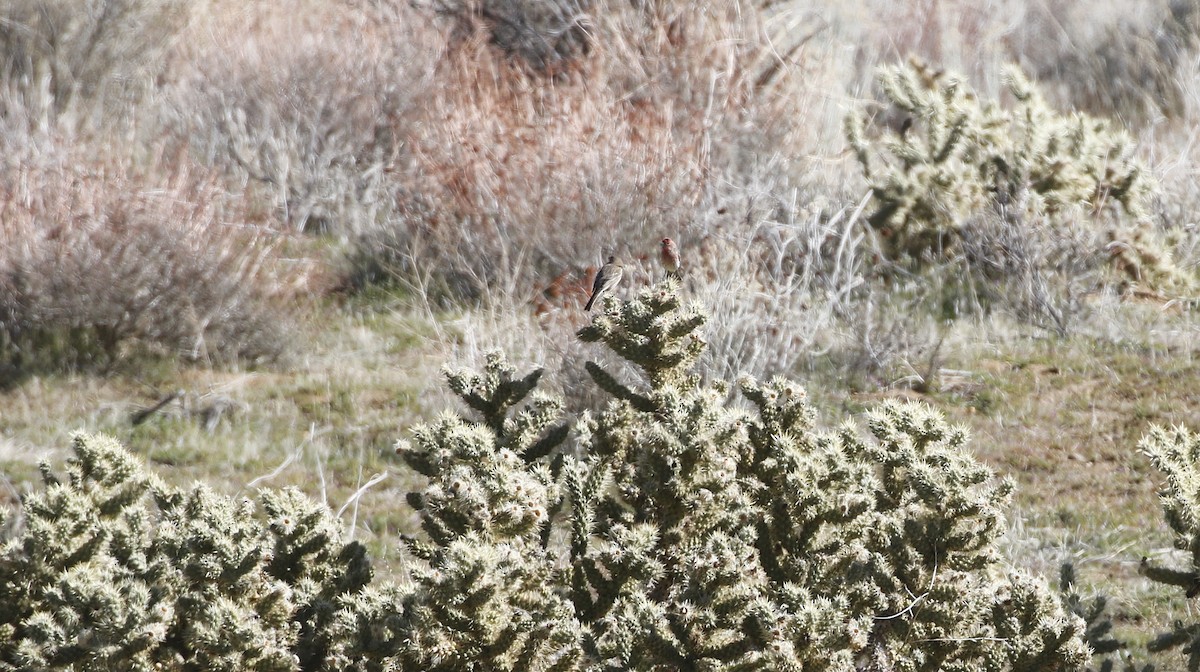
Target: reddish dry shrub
(98, 261)
(465, 162)
(511, 174)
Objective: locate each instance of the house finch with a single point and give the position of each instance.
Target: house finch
(670, 258)
(606, 278)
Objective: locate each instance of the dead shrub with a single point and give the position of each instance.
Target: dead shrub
(99, 261)
(307, 126)
(546, 36)
(1033, 268)
(1127, 67)
(90, 62)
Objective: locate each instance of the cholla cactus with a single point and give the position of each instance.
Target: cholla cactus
(100, 579)
(954, 157)
(489, 596)
(1111, 653)
(932, 178)
(675, 531)
(698, 535)
(74, 585)
(487, 479)
(1064, 161)
(1176, 453)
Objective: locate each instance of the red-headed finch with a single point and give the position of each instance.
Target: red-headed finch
(669, 258)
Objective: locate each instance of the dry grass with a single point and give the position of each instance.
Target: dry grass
(1063, 419)
(326, 424)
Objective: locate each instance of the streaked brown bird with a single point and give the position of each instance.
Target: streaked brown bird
(606, 278)
(669, 258)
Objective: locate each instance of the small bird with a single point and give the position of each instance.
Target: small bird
(670, 258)
(606, 278)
